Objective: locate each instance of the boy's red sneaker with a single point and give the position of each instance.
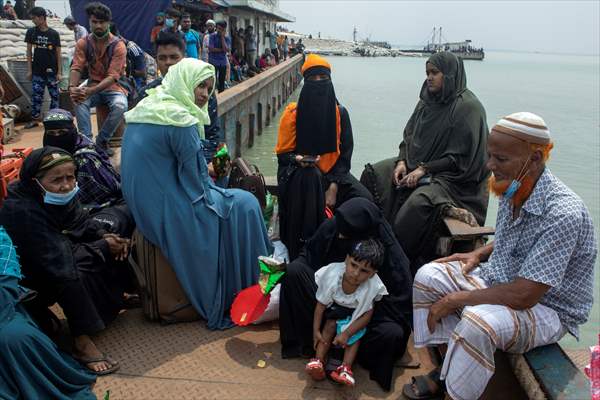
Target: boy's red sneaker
(315, 369)
(343, 374)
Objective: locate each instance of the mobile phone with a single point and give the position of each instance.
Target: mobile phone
(309, 159)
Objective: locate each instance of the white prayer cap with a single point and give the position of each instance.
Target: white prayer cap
(210, 22)
(525, 126)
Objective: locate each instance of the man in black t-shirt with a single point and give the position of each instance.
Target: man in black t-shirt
(44, 63)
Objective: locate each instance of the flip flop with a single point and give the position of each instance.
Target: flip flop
(84, 361)
(425, 387)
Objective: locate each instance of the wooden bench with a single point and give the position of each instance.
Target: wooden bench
(461, 237)
(547, 372)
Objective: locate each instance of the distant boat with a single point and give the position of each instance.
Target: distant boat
(462, 49)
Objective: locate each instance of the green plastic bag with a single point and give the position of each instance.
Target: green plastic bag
(268, 210)
(271, 271)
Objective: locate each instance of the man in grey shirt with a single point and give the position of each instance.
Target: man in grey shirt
(77, 29)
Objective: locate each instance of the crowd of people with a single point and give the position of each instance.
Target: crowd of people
(363, 275)
(232, 51)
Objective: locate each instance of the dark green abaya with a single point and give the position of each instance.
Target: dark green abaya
(448, 133)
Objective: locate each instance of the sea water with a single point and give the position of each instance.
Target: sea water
(381, 93)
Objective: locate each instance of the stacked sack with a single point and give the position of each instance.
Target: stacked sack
(12, 38)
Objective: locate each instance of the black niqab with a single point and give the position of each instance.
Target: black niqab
(66, 141)
(316, 117)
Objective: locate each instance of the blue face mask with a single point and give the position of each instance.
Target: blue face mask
(169, 22)
(516, 183)
(511, 189)
(59, 199)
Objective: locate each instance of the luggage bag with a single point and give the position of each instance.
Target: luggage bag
(161, 294)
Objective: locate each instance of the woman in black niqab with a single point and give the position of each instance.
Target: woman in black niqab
(388, 332)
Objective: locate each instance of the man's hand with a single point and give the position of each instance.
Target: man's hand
(399, 172)
(468, 261)
(77, 95)
(119, 247)
(317, 337)
(440, 309)
(88, 91)
(411, 179)
(58, 78)
(342, 339)
(331, 195)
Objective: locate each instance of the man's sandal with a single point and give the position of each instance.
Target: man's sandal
(425, 387)
(84, 361)
(315, 369)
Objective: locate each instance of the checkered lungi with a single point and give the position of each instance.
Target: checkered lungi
(474, 333)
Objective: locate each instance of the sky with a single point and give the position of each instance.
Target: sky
(544, 25)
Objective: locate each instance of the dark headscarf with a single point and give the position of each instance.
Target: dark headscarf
(359, 219)
(455, 79)
(58, 118)
(39, 162)
(449, 125)
(316, 115)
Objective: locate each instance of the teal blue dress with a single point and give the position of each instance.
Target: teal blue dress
(211, 236)
(31, 366)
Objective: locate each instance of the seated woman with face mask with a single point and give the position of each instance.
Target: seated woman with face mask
(67, 256)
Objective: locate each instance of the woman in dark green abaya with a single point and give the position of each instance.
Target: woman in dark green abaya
(441, 162)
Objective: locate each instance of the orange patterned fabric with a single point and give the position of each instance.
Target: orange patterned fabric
(313, 60)
(286, 138)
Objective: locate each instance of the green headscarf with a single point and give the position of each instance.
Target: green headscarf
(172, 103)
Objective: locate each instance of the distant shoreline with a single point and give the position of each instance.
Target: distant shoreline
(345, 48)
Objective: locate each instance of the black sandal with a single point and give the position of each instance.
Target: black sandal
(85, 361)
(428, 386)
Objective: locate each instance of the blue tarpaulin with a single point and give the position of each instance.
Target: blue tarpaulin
(134, 18)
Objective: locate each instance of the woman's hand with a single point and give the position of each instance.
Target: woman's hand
(399, 172)
(303, 164)
(211, 170)
(331, 195)
(468, 261)
(118, 246)
(411, 179)
(341, 339)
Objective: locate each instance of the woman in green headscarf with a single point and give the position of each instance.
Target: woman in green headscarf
(212, 237)
(441, 163)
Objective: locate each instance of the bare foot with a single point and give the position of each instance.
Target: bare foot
(86, 349)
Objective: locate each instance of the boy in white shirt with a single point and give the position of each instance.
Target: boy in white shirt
(346, 293)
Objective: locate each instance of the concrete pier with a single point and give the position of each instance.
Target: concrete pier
(248, 107)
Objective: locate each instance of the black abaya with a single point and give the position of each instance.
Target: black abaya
(63, 254)
(302, 190)
(388, 332)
